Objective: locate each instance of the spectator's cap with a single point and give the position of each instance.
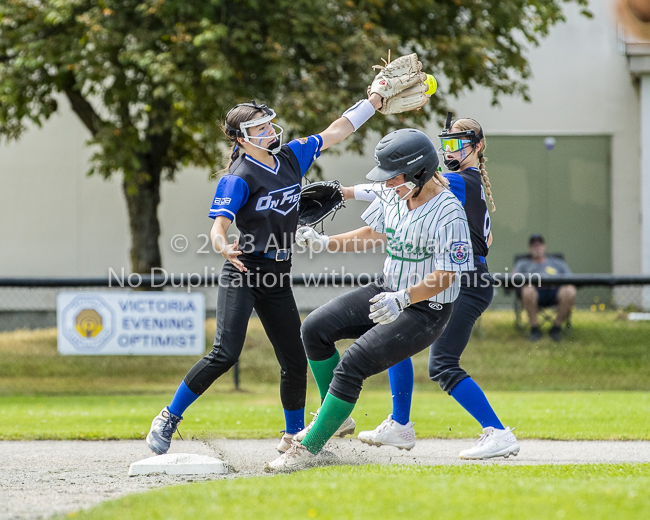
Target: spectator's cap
(536, 239)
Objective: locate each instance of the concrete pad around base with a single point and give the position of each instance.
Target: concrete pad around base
(178, 464)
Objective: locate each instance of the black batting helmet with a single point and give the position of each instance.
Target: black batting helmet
(408, 151)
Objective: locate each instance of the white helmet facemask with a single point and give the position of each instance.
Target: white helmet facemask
(267, 116)
(389, 195)
(275, 147)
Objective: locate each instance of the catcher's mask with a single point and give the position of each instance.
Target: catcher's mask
(406, 151)
(454, 141)
(269, 115)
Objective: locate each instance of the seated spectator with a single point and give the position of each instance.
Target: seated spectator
(535, 297)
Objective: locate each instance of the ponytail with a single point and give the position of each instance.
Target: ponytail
(234, 155)
(486, 180)
(441, 179)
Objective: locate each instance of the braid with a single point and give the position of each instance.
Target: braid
(440, 179)
(234, 154)
(486, 181)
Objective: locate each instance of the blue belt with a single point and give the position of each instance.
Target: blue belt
(279, 255)
(480, 259)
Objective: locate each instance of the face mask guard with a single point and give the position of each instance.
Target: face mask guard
(269, 115)
(389, 195)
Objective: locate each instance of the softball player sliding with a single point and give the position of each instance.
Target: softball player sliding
(262, 189)
(428, 243)
(463, 146)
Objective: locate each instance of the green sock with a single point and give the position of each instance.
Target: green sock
(324, 372)
(333, 414)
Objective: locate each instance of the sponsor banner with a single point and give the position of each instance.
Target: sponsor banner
(134, 323)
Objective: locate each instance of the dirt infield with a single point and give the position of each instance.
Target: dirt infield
(41, 478)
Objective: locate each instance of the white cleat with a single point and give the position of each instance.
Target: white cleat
(285, 442)
(347, 428)
(390, 433)
(295, 458)
(163, 427)
(493, 443)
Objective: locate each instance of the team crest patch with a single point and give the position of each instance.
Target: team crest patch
(303, 140)
(459, 252)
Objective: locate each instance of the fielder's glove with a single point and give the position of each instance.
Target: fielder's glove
(318, 200)
(309, 237)
(401, 84)
(387, 306)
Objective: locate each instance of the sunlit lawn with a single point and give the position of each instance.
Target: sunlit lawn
(452, 492)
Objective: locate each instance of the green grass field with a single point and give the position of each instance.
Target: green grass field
(258, 414)
(451, 492)
(602, 352)
(591, 386)
(583, 388)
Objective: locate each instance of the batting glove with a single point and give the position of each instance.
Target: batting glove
(309, 237)
(387, 306)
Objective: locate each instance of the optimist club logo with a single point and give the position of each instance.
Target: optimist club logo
(87, 323)
(459, 252)
(282, 201)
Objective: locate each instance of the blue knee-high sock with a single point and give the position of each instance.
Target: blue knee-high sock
(294, 420)
(400, 377)
(183, 398)
(470, 396)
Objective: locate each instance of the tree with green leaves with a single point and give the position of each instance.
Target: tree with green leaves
(152, 80)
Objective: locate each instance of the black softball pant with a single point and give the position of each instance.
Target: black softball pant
(268, 291)
(377, 347)
(444, 355)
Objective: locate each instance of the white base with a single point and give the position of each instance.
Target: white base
(178, 464)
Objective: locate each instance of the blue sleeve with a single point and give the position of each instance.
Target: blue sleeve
(457, 186)
(232, 194)
(306, 150)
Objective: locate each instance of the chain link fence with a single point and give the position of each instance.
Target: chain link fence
(606, 346)
(31, 303)
(604, 300)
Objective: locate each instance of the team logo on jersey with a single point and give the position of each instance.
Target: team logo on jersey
(435, 306)
(459, 252)
(281, 201)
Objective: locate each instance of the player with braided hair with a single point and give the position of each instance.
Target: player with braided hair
(471, 125)
(463, 148)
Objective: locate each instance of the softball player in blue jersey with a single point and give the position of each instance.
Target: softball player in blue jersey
(262, 190)
(463, 147)
(427, 244)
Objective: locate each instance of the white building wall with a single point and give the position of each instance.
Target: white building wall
(55, 221)
(581, 85)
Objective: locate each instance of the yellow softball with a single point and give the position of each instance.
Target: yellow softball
(432, 84)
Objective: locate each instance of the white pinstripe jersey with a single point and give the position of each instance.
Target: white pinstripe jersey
(432, 237)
